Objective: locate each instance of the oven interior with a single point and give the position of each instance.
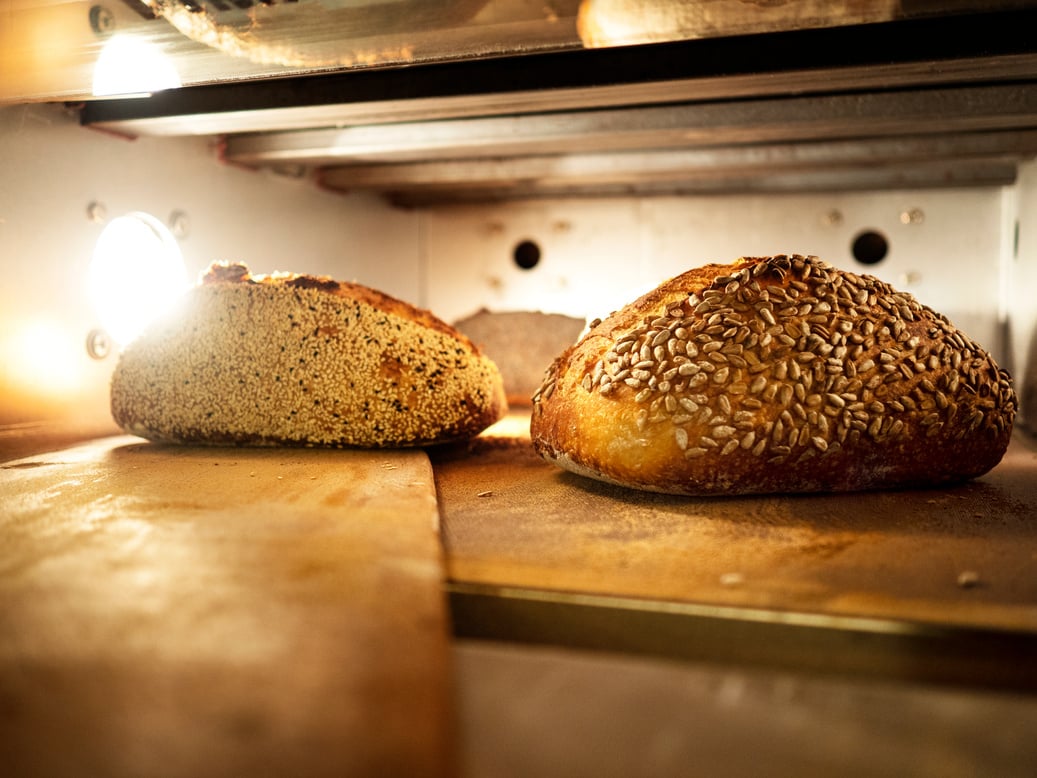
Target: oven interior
(469, 609)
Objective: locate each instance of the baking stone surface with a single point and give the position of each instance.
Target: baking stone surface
(964, 556)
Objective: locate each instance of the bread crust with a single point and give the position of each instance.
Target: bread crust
(774, 375)
(290, 359)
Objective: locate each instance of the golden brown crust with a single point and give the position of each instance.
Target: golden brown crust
(774, 374)
(302, 360)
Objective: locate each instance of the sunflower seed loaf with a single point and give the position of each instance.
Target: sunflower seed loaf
(773, 375)
(302, 360)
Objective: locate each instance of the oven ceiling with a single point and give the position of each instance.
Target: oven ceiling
(945, 101)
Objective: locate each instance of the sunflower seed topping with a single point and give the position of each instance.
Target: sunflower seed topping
(786, 359)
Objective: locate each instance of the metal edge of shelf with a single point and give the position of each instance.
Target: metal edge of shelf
(681, 125)
(879, 649)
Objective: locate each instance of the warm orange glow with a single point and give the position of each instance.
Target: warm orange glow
(44, 49)
(43, 358)
(514, 425)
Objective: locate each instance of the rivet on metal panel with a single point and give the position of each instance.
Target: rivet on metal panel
(912, 216)
(179, 224)
(96, 212)
(832, 218)
(910, 278)
(98, 344)
(102, 21)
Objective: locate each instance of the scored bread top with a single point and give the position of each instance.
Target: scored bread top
(303, 360)
(774, 374)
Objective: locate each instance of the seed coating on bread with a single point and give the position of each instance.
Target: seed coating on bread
(774, 374)
(302, 360)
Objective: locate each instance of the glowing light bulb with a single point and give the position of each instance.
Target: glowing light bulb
(129, 66)
(136, 274)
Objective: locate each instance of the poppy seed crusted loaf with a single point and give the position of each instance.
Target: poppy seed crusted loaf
(769, 375)
(302, 360)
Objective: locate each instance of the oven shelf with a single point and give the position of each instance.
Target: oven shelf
(950, 561)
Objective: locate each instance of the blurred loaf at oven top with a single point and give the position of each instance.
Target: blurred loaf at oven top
(521, 344)
(770, 375)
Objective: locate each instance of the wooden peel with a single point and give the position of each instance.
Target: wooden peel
(221, 612)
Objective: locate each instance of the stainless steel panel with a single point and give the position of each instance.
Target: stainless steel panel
(954, 159)
(829, 117)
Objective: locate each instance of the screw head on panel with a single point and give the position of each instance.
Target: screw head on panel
(98, 344)
(102, 21)
(832, 218)
(96, 212)
(179, 224)
(912, 216)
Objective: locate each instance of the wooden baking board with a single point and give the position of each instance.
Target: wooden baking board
(221, 612)
(964, 556)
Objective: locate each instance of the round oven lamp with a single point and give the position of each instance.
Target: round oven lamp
(136, 273)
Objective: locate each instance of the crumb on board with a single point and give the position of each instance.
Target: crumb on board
(968, 579)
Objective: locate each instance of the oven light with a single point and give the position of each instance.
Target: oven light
(131, 67)
(136, 273)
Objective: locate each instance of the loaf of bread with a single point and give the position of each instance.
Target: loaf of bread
(774, 375)
(520, 343)
(302, 360)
